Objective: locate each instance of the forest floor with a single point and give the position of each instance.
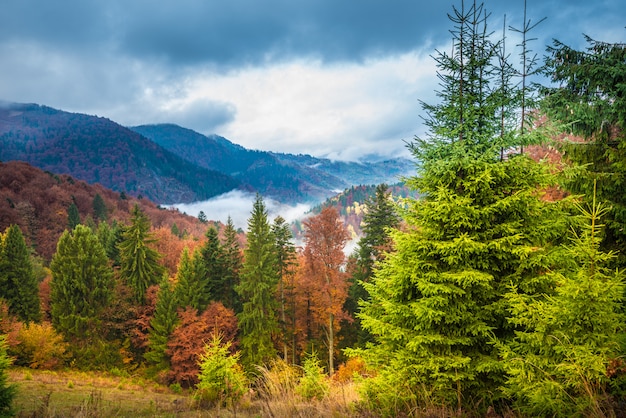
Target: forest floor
(51, 394)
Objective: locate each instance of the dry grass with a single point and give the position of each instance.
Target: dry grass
(46, 394)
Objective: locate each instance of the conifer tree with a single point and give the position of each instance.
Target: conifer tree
(285, 261)
(139, 266)
(81, 284)
(558, 361)
(213, 260)
(18, 284)
(73, 216)
(7, 390)
(257, 320)
(190, 289)
(380, 216)
(232, 266)
(589, 100)
(437, 302)
(162, 325)
(100, 210)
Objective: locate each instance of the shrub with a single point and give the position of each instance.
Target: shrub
(222, 380)
(7, 390)
(39, 346)
(355, 366)
(314, 383)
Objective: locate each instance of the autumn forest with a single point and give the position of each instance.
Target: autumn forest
(494, 287)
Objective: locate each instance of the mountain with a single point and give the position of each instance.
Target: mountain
(98, 150)
(287, 178)
(38, 202)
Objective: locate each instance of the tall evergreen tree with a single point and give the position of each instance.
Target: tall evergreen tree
(162, 325)
(81, 284)
(73, 216)
(100, 210)
(232, 266)
(380, 217)
(18, 284)
(589, 100)
(139, 266)
(558, 361)
(437, 302)
(285, 264)
(213, 260)
(257, 320)
(190, 289)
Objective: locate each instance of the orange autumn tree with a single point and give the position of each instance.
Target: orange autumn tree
(325, 237)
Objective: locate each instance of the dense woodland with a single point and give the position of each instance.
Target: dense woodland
(496, 289)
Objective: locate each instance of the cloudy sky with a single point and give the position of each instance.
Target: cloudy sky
(333, 78)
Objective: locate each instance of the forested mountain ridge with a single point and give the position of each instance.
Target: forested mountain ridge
(38, 202)
(98, 150)
(288, 178)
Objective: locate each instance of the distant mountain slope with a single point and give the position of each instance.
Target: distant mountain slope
(98, 150)
(38, 201)
(284, 177)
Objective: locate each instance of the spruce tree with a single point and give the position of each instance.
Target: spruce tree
(257, 320)
(162, 325)
(437, 307)
(81, 284)
(232, 266)
(285, 264)
(18, 284)
(73, 216)
(190, 289)
(380, 216)
(139, 266)
(589, 101)
(7, 390)
(213, 260)
(100, 210)
(558, 361)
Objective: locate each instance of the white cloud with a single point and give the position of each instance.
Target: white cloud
(238, 205)
(339, 111)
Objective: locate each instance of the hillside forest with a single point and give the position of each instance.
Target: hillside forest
(494, 288)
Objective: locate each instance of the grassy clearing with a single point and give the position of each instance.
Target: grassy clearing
(48, 394)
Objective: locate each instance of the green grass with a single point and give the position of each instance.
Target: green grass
(78, 394)
(69, 393)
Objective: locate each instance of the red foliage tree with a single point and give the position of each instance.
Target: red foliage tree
(187, 342)
(325, 237)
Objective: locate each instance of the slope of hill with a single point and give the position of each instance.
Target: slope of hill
(351, 204)
(38, 202)
(98, 150)
(287, 178)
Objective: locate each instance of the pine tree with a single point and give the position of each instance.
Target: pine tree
(81, 284)
(437, 304)
(590, 101)
(139, 266)
(18, 284)
(162, 325)
(286, 259)
(558, 361)
(257, 320)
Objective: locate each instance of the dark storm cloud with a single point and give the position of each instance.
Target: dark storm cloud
(244, 32)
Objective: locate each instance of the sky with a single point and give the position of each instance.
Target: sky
(341, 79)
